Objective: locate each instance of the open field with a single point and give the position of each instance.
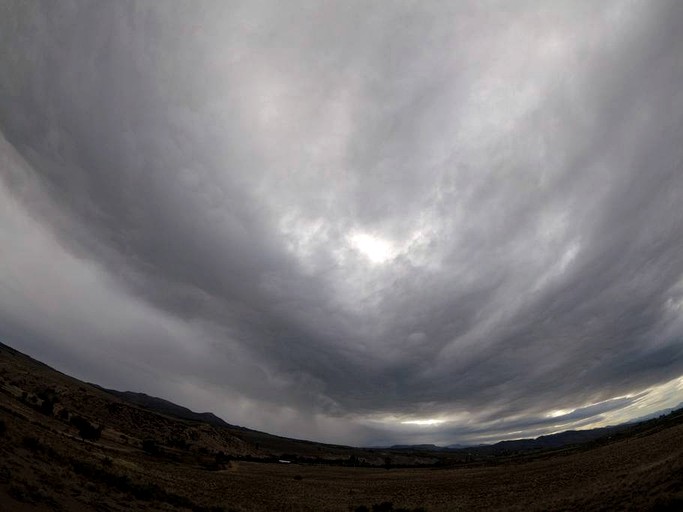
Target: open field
(142, 460)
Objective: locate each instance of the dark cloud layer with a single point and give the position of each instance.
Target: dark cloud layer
(360, 222)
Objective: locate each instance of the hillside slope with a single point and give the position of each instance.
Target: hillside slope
(68, 445)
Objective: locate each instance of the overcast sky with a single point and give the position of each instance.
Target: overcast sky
(357, 222)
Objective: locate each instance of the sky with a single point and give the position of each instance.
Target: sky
(355, 222)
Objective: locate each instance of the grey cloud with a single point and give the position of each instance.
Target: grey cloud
(520, 164)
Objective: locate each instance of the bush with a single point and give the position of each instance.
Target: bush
(178, 442)
(5, 475)
(150, 446)
(123, 483)
(47, 407)
(31, 443)
(668, 503)
(19, 493)
(85, 429)
(49, 397)
(221, 458)
(36, 446)
(385, 506)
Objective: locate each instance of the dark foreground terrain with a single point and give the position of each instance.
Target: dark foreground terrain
(68, 445)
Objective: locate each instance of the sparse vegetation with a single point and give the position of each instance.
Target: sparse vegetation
(32, 494)
(31, 443)
(387, 506)
(637, 468)
(143, 491)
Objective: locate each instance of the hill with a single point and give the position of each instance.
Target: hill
(162, 406)
(69, 445)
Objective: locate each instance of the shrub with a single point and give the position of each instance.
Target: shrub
(5, 475)
(668, 503)
(178, 442)
(150, 446)
(387, 506)
(31, 443)
(48, 394)
(19, 493)
(36, 446)
(221, 458)
(85, 429)
(141, 491)
(47, 407)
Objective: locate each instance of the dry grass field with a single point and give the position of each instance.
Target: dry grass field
(121, 457)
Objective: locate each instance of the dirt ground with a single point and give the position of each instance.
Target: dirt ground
(46, 465)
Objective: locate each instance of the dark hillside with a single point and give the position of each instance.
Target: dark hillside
(67, 445)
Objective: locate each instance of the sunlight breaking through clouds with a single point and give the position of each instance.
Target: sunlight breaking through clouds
(374, 248)
(424, 423)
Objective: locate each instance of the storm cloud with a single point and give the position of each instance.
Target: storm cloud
(360, 222)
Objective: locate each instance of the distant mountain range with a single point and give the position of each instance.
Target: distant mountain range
(656, 414)
(558, 440)
(282, 444)
(550, 441)
(165, 407)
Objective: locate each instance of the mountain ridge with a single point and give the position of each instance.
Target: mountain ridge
(549, 441)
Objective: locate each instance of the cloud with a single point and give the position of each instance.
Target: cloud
(362, 214)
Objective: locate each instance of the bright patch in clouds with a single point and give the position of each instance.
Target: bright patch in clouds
(423, 423)
(374, 248)
(559, 412)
